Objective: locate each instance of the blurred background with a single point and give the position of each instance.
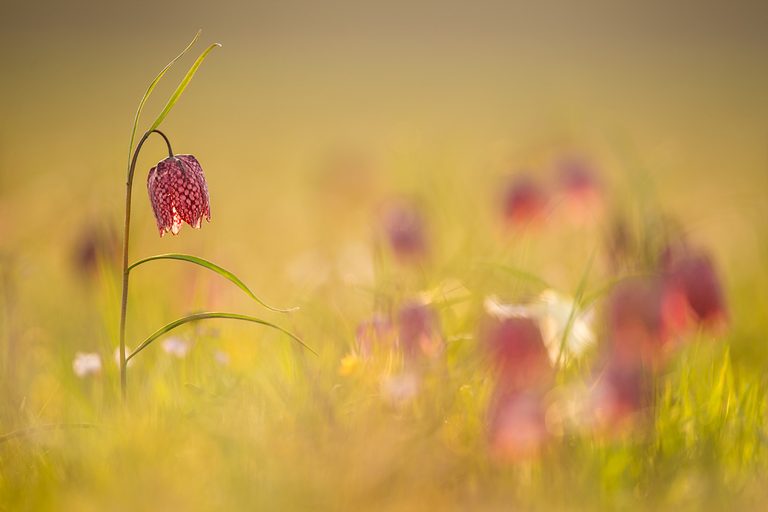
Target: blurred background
(315, 114)
(312, 114)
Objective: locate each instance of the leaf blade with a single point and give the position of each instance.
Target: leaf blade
(213, 314)
(182, 86)
(215, 268)
(151, 88)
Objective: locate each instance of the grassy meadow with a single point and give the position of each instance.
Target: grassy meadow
(412, 192)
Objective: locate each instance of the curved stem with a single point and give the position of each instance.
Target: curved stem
(126, 235)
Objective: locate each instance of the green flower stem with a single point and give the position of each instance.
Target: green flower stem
(126, 233)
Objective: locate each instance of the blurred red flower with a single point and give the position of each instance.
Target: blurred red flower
(518, 353)
(523, 200)
(691, 275)
(635, 320)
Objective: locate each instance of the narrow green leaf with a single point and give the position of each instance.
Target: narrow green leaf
(577, 304)
(521, 274)
(152, 88)
(212, 266)
(203, 316)
(183, 85)
(24, 432)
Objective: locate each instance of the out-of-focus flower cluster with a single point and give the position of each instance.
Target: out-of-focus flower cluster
(619, 337)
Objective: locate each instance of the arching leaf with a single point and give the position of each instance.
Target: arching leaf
(214, 267)
(202, 316)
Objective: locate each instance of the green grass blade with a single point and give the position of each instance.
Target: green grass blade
(152, 88)
(24, 432)
(212, 266)
(520, 274)
(203, 316)
(183, 85)
(577, 304)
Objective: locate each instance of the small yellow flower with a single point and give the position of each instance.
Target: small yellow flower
(349, 364)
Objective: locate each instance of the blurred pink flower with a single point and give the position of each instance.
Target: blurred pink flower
(518, 353)
(418, 330)
(692, 274)
(178, 193)
(635, 320)
(517, 427)
(620, 393)
(581, 187)
(523, 201)
(404, 226)
(377, 330)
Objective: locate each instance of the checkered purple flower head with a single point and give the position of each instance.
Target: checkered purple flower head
(178, 193)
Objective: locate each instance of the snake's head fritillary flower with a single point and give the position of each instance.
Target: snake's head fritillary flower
(178, 193)
(377, 330)
(517, 350)
(96, 245)
(637, 321)
(517, 426)
(691, 274)
(619, 395)
(418, 330)
(524, 201)
(404, 226)
(581, 188)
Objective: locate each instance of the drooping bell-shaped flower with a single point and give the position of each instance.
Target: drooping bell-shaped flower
(418, 330)
(692, 274)
(517, 350)
(524, 201)
(405, 229)
(178, 193)
(517, 428)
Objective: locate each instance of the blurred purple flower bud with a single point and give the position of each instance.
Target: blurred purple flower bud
(692, 274)
(635, 319)
(583, 191)
(405, 230)
(523, 201)
(377, 330)
(94, 245)
(419, 330)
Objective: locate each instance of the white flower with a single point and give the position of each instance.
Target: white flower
(354, 264)
(398, 390)
(557, 310)
(552, 311)
(176, 347)
(86, 363)
(221, 357)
